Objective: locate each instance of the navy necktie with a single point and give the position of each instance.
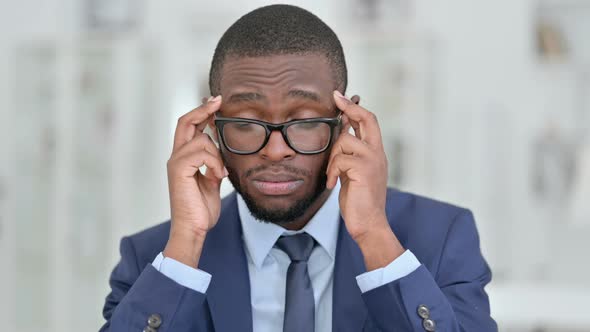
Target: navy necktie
(299, 303)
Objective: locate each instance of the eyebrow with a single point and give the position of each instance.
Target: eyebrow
(253, 96)
(245, 97)
(297, 93)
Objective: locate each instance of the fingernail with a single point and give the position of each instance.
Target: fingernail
(216, 99)
(209, 99)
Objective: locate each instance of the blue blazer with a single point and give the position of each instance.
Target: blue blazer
(450, 281)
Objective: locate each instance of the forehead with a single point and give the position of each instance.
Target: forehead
(272, 75)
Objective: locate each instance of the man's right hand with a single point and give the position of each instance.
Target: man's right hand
(194, 197)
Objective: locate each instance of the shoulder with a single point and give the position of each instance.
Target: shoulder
(426, 226)
(148, 243)
(408, 205)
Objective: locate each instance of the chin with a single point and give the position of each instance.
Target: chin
(278, 209)
(275, 203)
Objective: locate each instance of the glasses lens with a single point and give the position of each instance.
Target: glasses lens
(309, 136)
(244, 136)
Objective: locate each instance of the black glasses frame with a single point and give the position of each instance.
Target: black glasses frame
(282, 127)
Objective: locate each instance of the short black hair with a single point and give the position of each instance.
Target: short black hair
(277, 30)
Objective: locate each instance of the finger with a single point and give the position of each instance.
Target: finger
(188, 165)
(209, 183)
(345, 125)
(202, 142)
(352, 124)
(194, 121)
(342, 166)
(205, 141)
(364, 122)
(356, 128)
(211, 173)
(212, 148)
(349, 144)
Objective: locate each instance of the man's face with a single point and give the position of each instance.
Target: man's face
(277, 183)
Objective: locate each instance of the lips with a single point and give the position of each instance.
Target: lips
(277, 184)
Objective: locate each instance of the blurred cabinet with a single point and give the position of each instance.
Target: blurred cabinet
(87, 121)
(32, 165)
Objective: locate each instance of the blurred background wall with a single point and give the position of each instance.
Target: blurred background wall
(482, 103)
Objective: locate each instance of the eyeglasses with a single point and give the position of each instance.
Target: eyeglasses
(304, 136)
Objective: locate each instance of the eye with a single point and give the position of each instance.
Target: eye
(244, 126)
(308, 125)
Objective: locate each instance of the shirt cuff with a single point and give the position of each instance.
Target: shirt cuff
(399, 268)
(195, 279)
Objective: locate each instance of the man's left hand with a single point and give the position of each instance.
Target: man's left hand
(359, 161)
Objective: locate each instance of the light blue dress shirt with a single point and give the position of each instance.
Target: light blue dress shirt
(267, 267)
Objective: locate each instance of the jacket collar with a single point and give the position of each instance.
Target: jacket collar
(228, 294)
(259, 237)
(223, 257)
(348, 309)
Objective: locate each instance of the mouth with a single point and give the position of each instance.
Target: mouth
(277, 184)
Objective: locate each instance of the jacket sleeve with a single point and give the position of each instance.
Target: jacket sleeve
(138, 293)
(453, 299)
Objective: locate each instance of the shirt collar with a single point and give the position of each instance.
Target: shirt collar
(260, 237)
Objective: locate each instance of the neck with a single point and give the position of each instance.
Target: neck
(299, 223)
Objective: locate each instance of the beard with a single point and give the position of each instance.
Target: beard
(273, 215)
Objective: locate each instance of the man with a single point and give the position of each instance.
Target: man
(313, 239)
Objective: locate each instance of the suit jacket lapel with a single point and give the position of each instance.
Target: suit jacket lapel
(348, 309)
(224, 258)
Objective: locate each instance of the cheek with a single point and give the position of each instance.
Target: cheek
(228, 160)
(231, 161)
(237, 164)
(319, 164)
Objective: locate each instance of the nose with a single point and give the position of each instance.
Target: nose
(276, 149)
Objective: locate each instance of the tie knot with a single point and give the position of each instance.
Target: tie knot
(298, 246)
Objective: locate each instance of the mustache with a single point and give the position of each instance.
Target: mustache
(276, 168)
